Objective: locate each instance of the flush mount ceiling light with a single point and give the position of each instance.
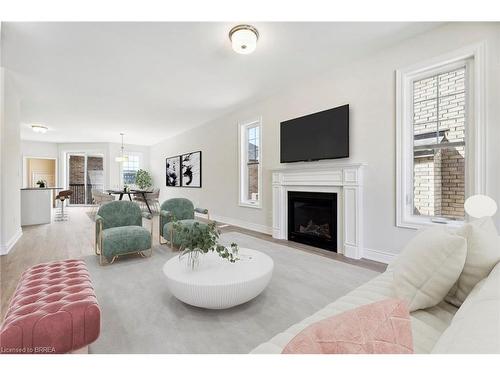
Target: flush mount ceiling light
(122, 156)
(39, 129)
(244, 39)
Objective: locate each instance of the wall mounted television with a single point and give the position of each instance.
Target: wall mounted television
(322, 135)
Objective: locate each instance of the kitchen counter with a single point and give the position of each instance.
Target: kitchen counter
(45, 188)
(36, 205)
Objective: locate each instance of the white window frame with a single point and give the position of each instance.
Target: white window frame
(139, 155)
(242, 173)
(475, 155)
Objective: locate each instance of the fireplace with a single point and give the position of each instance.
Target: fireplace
(312, 219)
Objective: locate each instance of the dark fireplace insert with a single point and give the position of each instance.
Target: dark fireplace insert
(312, 219)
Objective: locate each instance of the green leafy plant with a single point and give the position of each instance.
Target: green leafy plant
(41, 183)
(143, 179)
(201, 239)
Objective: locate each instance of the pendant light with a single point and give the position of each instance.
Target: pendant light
(122, 156)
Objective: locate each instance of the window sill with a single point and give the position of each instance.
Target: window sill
(250, 205)
(426, 222)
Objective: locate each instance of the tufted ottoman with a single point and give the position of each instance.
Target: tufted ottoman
(53, 310)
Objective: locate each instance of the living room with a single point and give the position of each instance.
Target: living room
(250, 187)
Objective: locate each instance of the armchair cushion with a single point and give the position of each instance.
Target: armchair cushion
(122, 240)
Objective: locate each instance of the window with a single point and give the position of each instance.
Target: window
(439, 139)
(250, 163)
(439, 144)
(129, 169)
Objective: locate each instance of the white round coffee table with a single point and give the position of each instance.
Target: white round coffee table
(216, 283)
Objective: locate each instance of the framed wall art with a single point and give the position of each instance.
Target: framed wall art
(191, 169)
(173, 171)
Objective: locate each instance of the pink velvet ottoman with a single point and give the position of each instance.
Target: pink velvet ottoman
(53, 310)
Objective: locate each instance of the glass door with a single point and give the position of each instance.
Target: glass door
(85, 173)
(94, 176)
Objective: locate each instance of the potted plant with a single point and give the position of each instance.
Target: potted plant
(201, 239)
(41, 183)
(143, 179)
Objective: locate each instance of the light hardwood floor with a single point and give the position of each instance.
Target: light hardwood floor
(75, 239)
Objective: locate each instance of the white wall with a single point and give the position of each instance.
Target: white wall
(39, 149)
(369, 87)
(10, 194)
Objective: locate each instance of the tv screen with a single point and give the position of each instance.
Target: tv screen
(322, 135)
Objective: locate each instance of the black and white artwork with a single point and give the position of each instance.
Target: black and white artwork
(191, 169)
(173, 171)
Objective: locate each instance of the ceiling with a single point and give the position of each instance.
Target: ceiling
(90, 81)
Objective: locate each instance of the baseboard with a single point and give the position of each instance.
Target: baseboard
(378, 255)
(5, 248)
(243, 224)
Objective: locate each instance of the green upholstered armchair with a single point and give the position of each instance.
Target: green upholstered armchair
(181, 210)
(119, 231)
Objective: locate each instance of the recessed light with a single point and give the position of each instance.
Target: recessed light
(244, 39)
(39, 129)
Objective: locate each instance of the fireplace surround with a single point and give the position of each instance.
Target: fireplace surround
(346, 180)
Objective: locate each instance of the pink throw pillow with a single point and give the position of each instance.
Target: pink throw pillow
(378, 328)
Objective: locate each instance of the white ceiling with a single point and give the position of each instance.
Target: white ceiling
(90, 81)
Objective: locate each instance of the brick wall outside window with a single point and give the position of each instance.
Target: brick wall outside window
(439, 145)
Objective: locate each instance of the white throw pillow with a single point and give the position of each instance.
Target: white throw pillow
(475, 328)
(428, 267)
(483, 253)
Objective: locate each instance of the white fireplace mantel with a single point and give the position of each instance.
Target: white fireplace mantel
(344, 179)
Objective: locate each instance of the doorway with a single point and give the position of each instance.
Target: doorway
(85, 173)
(38, 169)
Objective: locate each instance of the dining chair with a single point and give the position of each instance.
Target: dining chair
(152, 198)
(99, 198)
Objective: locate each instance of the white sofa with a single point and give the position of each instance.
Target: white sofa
(474, 328)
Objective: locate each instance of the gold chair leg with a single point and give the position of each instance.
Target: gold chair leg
(159, 240)
(150, 253)
(159, 231)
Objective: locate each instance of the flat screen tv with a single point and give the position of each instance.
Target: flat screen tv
(322, 135)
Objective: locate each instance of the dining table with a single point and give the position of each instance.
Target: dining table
(131, 192)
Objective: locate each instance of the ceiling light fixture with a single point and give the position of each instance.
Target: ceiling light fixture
(244, 39)
(39, 129)
(122, 156)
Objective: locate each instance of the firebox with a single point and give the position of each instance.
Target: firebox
(312, 219)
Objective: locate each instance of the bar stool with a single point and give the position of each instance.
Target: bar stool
(62, 196)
